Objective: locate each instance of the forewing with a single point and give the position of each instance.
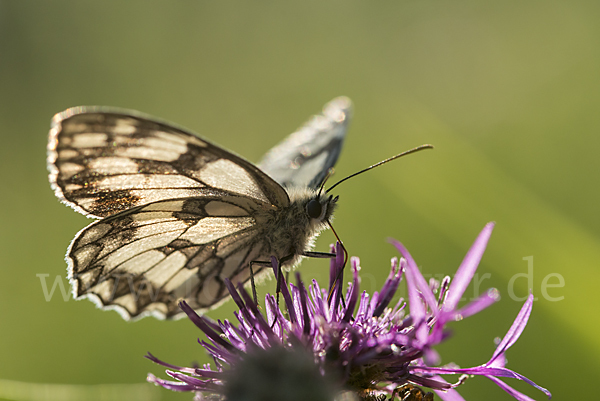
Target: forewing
(144, 260)
(305, 157)
(103, 161)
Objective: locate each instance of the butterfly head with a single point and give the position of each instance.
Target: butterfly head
(321, 207)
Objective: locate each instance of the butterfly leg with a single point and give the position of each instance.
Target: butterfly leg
(260, 263)
(278, 275)
(327, 255)
(308, 254)
(324, 255)
(340, 274)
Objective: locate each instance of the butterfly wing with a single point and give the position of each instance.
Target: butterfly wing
(304, 158)
(144, 260)
(103, 161)
(179, 212)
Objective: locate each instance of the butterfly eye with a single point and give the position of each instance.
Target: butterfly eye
(314, 209)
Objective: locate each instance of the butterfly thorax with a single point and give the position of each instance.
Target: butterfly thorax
(290, 231)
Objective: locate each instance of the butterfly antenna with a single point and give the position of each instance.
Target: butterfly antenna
(413, 150)
(329, 174)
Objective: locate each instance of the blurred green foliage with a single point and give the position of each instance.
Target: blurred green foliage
(507, 91)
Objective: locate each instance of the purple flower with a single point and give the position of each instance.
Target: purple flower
(358, 342)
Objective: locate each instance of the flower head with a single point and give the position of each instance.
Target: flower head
(357, 341)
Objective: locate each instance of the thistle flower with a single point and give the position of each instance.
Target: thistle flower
(356, 341)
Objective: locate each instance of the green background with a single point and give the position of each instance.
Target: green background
(507, 91)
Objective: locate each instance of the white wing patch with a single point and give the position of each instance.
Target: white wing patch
(211, 228)
(179, 280)
(218, 208)
(228, 176)
(139, 263)
(111, 165)
(87, 141)
(169, 206)
(148, 153)
(146, 181)
(112, 258)
(93, 233)
(165, 269)
(68, 170)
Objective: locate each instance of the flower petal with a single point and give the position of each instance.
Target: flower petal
(467, 268)
(515, 330)
(516, 394)
(419, 281)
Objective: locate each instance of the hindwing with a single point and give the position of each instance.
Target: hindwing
(142, 261)
(304, 158)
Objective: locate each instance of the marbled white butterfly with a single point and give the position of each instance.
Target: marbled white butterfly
(179, 214)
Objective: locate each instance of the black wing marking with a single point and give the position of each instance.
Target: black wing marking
(103, 161)
(305, 157)
(144, 260)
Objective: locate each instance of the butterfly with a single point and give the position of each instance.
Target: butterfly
(179, 214)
